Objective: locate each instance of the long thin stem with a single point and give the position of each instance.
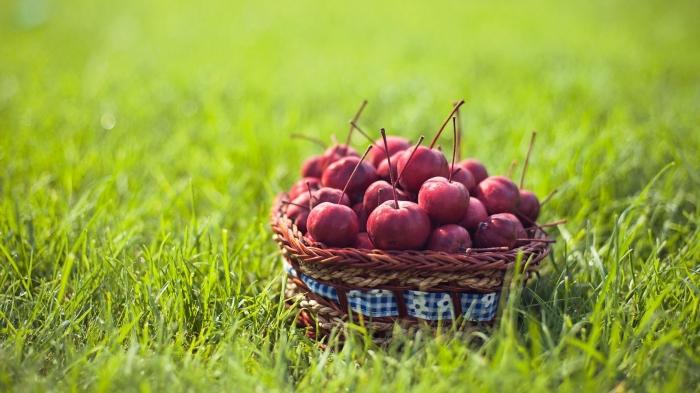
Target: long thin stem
(311, 195)
(536, 240)
(459, 132)
(340, 198)
(444, 123)
(309, 138)
(554, 223)
(527, 158)
(363, 133)
(548, 197)
(511, 168)
(420, 140)
(454, 146)
(354, 120)
(531, 222)
(391, 174)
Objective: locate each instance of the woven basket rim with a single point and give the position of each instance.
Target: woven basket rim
(296, 248)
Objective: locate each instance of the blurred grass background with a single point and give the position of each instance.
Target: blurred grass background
(141, 144)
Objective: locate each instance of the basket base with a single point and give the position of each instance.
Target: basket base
(323, 319)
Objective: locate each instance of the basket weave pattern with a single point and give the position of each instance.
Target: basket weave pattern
(346, 269)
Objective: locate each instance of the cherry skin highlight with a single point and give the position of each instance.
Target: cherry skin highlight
(312, 167)
(327, 194)
(378, 193)
(449, 238)
(333, 225)
(498, 194)
(465, 177)
(499, 230)
(425, 164)
(477, 169)
(528, 208)
(300, 187)
(476, 213)
(362, 241)
(445, 202)
(405, 228)
(394, 145)
(338, 173)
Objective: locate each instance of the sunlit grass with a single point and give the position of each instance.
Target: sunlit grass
(141, 145)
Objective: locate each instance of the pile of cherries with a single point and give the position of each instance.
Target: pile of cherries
(398, 196)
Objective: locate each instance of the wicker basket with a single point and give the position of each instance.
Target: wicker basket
(381, 288)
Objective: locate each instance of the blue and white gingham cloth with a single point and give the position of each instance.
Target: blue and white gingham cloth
(373, 303)
(431, 306)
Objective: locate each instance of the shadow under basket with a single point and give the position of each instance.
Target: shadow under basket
(379, 289)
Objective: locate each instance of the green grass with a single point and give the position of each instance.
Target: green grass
(141, 144)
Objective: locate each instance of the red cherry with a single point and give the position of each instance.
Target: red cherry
(309, 238)
(338, 173)
(498, 194)
(333, 225)
(298, 211)
(362, 241)
(449, 238)
(327, 194)
(336, 152)
(404, 228)
(528, 208)
(312, 167)
(499, 230)
(465, 177)
(379, 192)
(476, 213)
(359, 209)
(383, 168)
(394, 145)
(477, 169)
(300, 186)
(445, 202)
(425, 164)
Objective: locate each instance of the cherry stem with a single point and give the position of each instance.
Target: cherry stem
(340, 198)
(548, 197)
(354, 120)
(408, 162)
(536, 240)
(531, 222)
(527, 158)
(391, 174)
(311, 195)
(454, 110)
(459, 132)
(295, 204)
(554, 223)
(454, 146)
(309, 138)
(511, 168)
(363, 133)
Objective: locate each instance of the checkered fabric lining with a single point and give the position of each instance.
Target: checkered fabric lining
(430, 306)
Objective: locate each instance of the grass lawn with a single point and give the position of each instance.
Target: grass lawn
(142, 142)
